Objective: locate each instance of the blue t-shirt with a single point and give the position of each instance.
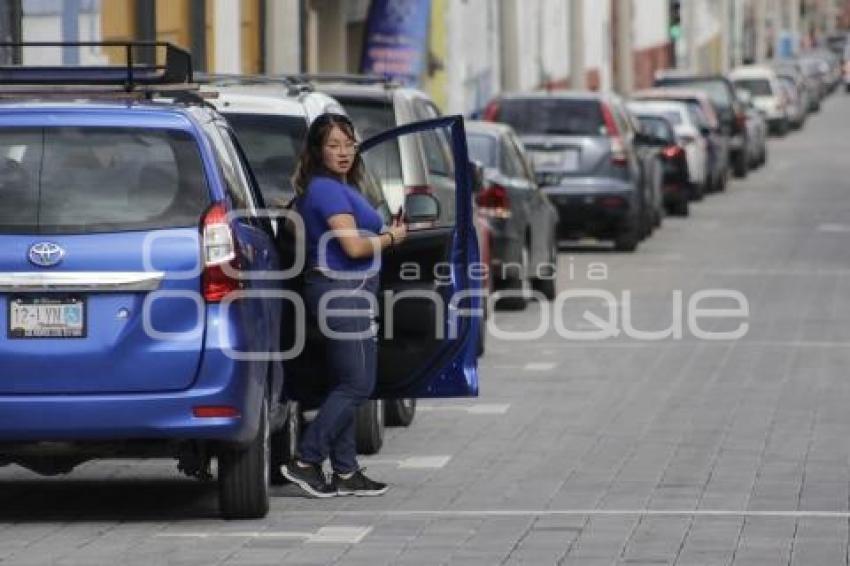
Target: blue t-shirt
(324, 198)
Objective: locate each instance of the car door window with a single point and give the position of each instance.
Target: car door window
(513, 162)
(525, 162)
(235, 181)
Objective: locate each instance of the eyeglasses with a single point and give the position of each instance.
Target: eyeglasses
(349, 147)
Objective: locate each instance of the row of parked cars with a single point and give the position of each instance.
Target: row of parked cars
(611, 168)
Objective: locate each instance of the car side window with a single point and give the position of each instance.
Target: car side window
(231, 168)
(436, 144)
(525, 162)
(512, 159)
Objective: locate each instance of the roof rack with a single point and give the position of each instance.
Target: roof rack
(385, 80)
(134, 79)
(293, 84)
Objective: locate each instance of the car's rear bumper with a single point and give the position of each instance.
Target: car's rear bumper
(601, 208)
(222, 382)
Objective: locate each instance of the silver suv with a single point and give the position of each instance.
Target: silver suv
(271, 118)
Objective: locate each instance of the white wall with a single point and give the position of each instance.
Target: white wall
(473, 60)
(597, 40)
(542, 42)
(650, 23)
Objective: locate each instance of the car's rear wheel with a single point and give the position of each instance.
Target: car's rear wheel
(369, 422)
(244, 474)
(547, 285)
(680, 207)
(628, 240)
(285, 442)
(519, 285)
(399, 412)
(740, 165)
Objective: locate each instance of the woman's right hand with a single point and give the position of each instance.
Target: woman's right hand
(398, 231)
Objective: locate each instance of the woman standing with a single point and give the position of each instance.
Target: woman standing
(345, 237)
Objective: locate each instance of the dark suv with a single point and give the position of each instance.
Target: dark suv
(730, 111)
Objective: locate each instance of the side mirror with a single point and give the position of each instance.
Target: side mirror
(421, 208)
(476, 172)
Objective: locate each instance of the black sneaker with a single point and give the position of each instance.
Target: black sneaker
(309, 478)
(358, 484)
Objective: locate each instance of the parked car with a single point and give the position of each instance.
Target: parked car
(730, 112)
(846, 68)
(519, 216)
(767, 94)
(686, 126)
(809, 85)
(271, 117)
(791, 72)
(796, 108)
(756, 130)
(702, 113)
(422, 164)
(121, 250)
(583, 149)
(659, 132)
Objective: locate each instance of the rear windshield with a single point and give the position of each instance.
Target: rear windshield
(717, 90)
(756, 87)
(483, 148)
(72, 180)
(272, 144)
(656, 126)
(556, 116)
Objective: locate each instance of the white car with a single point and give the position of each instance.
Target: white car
(768, 95)
(688, 133)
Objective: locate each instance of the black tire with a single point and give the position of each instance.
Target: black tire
(285, 442)
(627, 241)
(547, 286)
(698, 190)
(369, 422)
(681, 207)
(243, 474)
(399, 412)
(740, 165)
(521, 283)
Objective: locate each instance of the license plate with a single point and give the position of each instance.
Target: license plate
(47, 317)
(564, 160)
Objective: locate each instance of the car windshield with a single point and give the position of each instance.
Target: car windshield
(556, 116)
(756, 87)
(272, 144)
(77, 180)
(483, 148)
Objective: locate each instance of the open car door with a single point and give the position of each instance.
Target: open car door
(430, 300)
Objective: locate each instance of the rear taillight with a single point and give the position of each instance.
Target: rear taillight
(618, 148)
(612, 202)
(494, 202)
(672, 151)
(219, 252)
(491, 112)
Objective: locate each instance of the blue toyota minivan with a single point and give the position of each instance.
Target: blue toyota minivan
(140, 302)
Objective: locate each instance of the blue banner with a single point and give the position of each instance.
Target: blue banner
(396, 40)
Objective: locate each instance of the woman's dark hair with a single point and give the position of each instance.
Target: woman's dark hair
(310, 162)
